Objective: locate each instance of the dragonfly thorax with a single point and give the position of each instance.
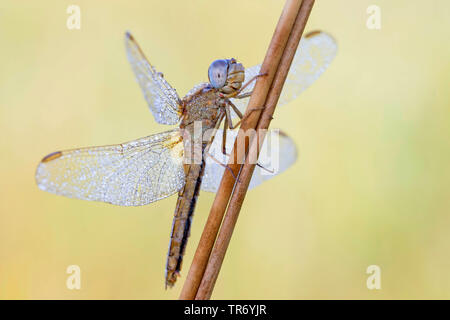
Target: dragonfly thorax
(226, 75)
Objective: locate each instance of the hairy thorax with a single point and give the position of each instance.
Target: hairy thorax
(201, 113)
(202, 105)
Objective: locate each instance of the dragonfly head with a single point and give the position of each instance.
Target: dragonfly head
(226, 75)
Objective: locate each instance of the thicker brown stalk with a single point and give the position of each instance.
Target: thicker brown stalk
(251, 119)
(223, 239)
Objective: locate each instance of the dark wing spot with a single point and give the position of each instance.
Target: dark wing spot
(52, 156)
(312, 34)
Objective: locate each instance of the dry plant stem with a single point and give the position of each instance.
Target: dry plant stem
(258, 98)
(237, 198)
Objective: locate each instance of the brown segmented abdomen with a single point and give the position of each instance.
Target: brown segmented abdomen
(182, 219)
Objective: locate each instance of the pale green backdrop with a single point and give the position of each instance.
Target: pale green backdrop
(371, 185)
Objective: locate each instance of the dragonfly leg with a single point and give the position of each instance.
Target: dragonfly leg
(244, 95)
(250, 81)
(264, 168)
(239, 114)
(224, 136)
(216, 127)
(228, 115)
(235, 109)
(219, 120)
(221, 164)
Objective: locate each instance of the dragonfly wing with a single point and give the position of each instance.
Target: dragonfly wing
(315, 52)
(278, 153)
(129, 174)
(161, 98)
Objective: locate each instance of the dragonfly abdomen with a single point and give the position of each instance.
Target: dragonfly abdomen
(184, 211)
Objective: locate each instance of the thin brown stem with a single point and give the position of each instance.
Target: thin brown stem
(251, 119)
(223, 239)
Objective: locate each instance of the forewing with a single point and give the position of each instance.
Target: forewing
(315, 52)
(278, 153)
(129, 174)
(161, 98)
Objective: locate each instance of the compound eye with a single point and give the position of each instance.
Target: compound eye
(217, 73)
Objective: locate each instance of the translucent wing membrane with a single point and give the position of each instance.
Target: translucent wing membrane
(129, 174)
(277, 154)
(162, 99)
(315, 52)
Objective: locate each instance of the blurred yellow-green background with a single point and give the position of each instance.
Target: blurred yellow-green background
(371, 185)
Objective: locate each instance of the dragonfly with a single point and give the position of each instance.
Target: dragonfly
(148, 169)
